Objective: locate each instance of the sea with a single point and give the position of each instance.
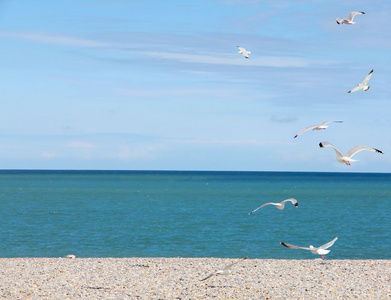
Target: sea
(193, 214)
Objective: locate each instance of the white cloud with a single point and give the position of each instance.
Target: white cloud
(181, 92)
(218, 59)
(263, 3)
(138, 152)
(49, 155)
(83, 145)
(50, 38)
(225, 142)
(203, 58)
(280, 119)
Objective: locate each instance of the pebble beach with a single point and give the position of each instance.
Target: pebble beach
(180, 278)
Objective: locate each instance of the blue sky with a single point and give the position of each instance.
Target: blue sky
(158, 85)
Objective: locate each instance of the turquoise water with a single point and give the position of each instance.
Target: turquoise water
(192, 214)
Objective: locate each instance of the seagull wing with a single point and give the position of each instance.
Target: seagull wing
(339, 20)
(269, 203)
(230, 265)
(293, 246)
(360, 86)
(293, 200)
(327, 144)
(304, 130)
(366, 79)
(326, 122)
(356, 149)
(329, 244)
(354, 13)
(224, 271)
(209, 276)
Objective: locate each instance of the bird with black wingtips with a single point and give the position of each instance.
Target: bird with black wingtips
(349, 20)
(347, 158)
(243, 51)
(225, 271)
(280, 205)
(363, 85)
(316, 127)
(321, 250)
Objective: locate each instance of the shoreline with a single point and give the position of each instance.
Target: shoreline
(180, 278)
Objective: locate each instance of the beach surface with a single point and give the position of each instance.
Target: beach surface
(180, 278)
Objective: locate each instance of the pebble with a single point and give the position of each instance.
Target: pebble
(179, 278)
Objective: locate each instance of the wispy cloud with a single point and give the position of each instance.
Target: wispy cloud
(182, 92)
(220, 59)
(280, 119)
(83, 145)
(279, 3)
(161, 54)
(127, 153)
(225, 142)
(52, 38)
(49, 155)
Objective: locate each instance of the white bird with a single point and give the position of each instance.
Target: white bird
(363, 85)
(347, 158)
(315, 250)
(349, 20)
(225, 271)
(316, 127)
(280, 205)
(243, 51)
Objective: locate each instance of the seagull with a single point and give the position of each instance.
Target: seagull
(363, 85)
(244, 52)
(349, 20)
(315, 250)
(280, 205)
(346, 158)
(316, 127)
(225, 271)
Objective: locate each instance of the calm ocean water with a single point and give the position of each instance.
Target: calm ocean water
(192, 214)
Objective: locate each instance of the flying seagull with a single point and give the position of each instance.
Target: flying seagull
(346, 158)
(243, 51)
(225, 271)
(316, 127)
(349, 20)
(363, 85)
(315, 250)
(280, 205)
